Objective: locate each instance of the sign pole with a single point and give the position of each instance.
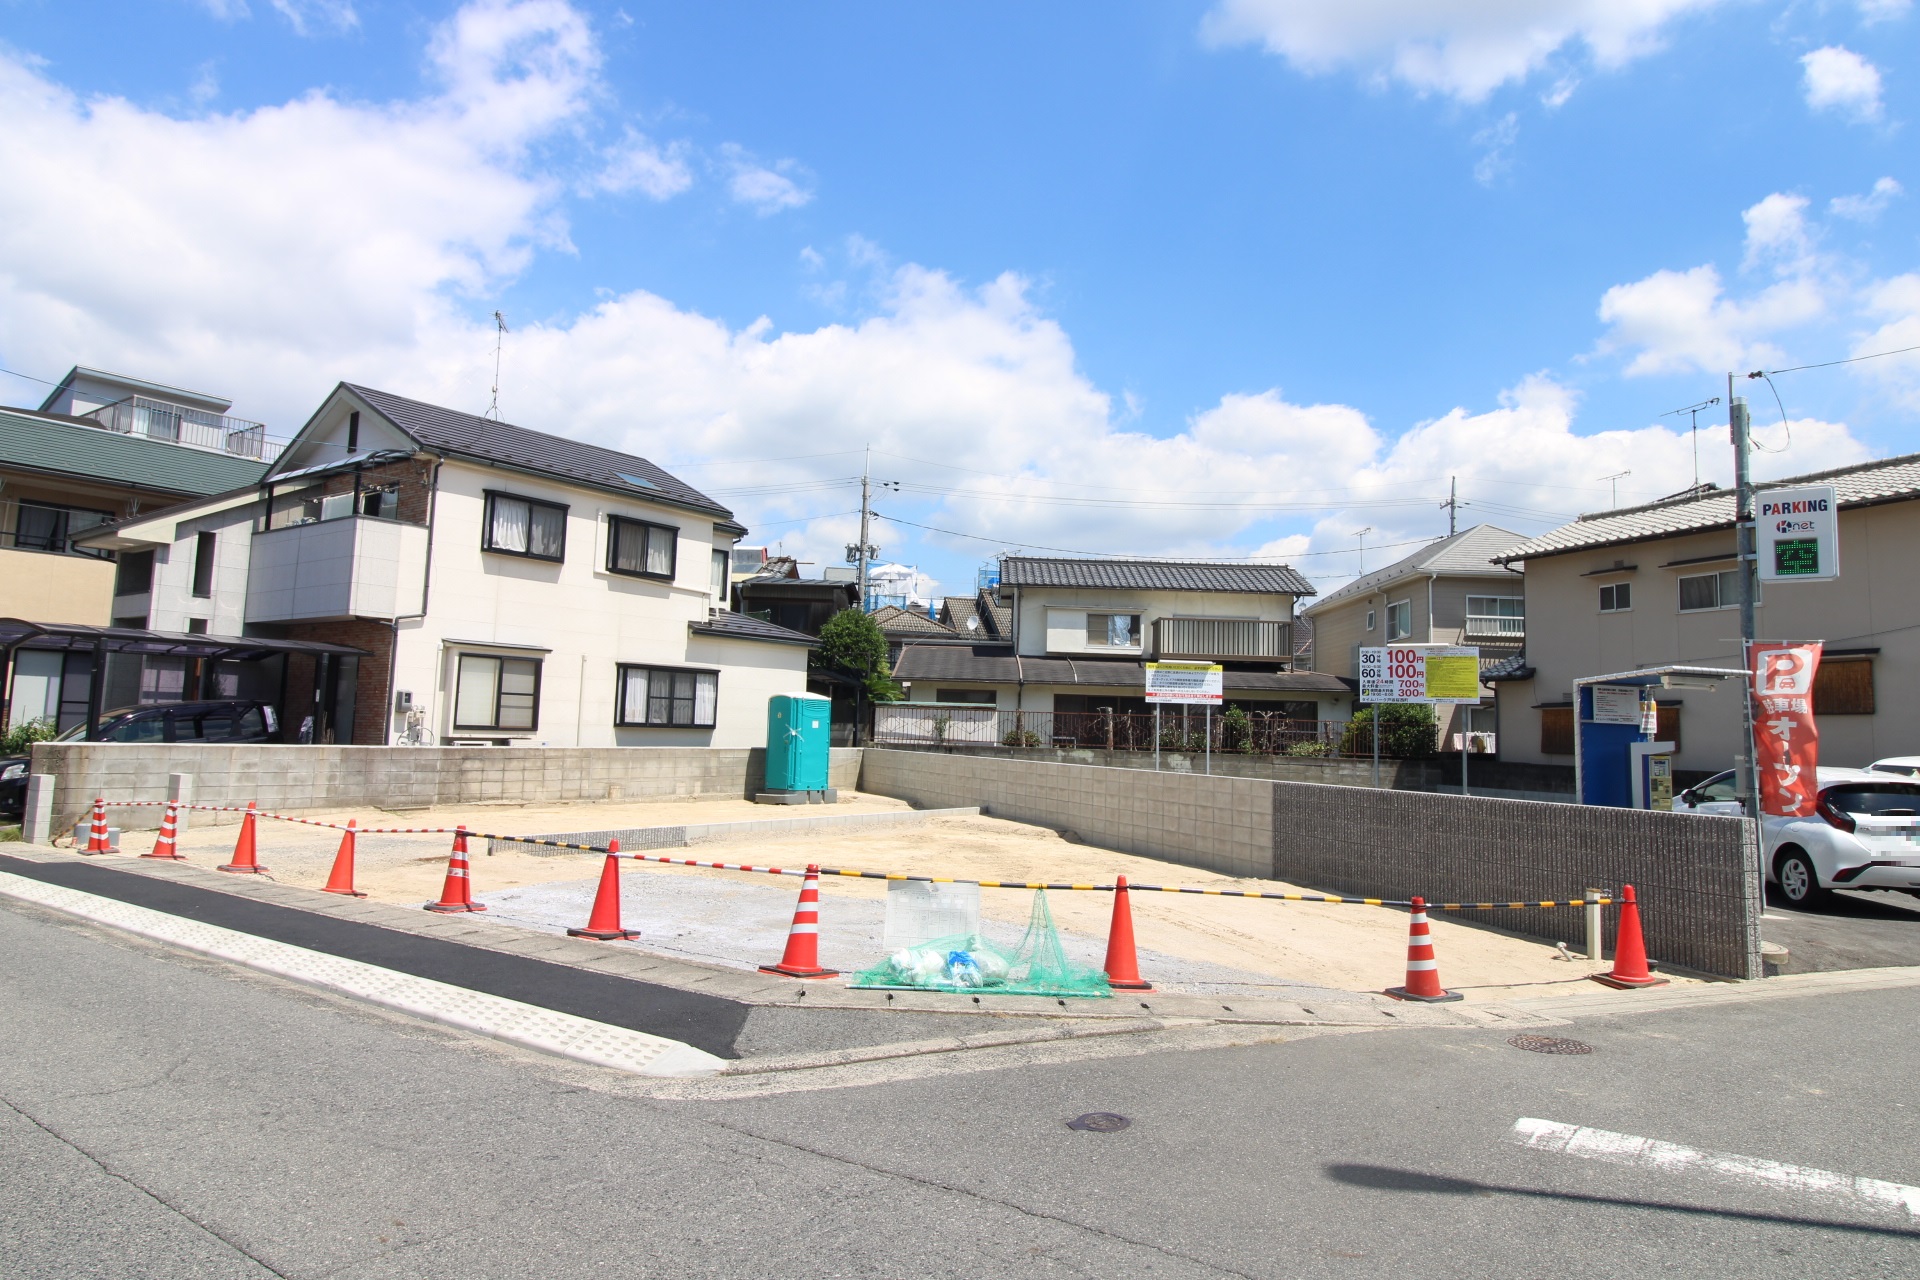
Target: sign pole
(1209, 733)
(1156, 737)
(1466, 746)
(1373, 731)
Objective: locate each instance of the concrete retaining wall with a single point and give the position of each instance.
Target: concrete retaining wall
(1700, 902)
(292, 779)
(1221, 824)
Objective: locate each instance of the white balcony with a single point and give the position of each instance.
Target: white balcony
(353, 567)
(1489, 627)
(1222, 639)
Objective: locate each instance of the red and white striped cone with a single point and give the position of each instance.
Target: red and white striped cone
(802, 958)
(167, 846)
(1423, 971)
(340, 879)
(245, 861)
(603, 922)
(456, 894)
(97, 838)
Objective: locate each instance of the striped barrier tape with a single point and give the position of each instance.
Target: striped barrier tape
(850, 873)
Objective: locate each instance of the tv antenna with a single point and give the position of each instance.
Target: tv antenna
(1361, 534)
(1693, 431)
(1614, 480)
(499, 340)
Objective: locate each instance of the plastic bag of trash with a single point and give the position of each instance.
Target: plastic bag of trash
(1037, 966)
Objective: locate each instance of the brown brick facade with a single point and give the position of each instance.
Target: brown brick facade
(370, 718)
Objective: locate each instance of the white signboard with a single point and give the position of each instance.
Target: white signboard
(1616, 704)
(1431, 673)
(1799, 534)
(1196, 683)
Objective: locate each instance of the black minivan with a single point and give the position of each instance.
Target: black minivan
(222, 720)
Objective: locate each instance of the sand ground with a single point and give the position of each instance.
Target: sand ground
(1354, 948)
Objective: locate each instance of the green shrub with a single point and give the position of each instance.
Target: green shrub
(1319, 749)
(19, 740)
(1408, 731)
(1236, 730)
(1020, 738)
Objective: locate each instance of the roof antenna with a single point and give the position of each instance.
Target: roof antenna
(499, 340)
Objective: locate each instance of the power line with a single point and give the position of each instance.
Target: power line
(1828, 364)
(1109, 555)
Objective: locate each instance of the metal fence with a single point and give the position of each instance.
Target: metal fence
(182, 424)
(1185, 729)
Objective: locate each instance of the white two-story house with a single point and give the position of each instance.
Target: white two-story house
(502, 585)
(1080, 631)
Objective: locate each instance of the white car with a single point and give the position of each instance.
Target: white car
(1865, 833)
(1905, 766)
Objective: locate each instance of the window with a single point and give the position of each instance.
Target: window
(1556, 731)
(641, 549)
(525, 527)
(1496, 616)
(196, 626)
(1399, 620)
(47, 526)
(1843, 686)
(720, 577)
(353, 432)
(979, 697)
(1113, 631)
(1370, 620)
(203, 549)
(1615, 597)
(133, 575)
(1710, 591)
(665, 696)
(496, 693)
(381, 502)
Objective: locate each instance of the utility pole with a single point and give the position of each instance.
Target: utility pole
(1452, 504)
(866, 514)
(1745, 543)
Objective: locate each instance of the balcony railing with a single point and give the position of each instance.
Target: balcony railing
(1489, 627)
(1217, 639)
(182, 424)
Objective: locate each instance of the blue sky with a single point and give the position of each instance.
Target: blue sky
(1232, 278)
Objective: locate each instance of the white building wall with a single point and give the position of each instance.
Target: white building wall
(1053, 619)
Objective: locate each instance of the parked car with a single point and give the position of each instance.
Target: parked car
(1865, 833)
(1905, 766)
(224, 720)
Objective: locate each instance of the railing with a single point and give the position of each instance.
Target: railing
(59, 543)
(1486, 626)
(1212, 639)
(181, 424)
(1181, 730)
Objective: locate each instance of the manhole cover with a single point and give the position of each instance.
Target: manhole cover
(1550, 1044)
(1099, 1122)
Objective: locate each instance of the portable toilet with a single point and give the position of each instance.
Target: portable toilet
(799, 736)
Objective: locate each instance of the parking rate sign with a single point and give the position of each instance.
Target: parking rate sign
(1420, 673)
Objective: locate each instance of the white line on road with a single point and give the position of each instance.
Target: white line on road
(1670, 1157)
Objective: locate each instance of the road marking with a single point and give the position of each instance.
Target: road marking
(547, 1030)
(1670, 1157)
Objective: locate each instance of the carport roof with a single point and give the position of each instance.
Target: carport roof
(15, 632)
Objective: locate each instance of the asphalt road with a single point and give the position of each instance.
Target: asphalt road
(163, 1116)
(1845, 930)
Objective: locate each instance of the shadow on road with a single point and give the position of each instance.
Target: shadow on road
(1376, 1177)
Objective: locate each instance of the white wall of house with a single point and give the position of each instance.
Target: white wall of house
(1053, 620)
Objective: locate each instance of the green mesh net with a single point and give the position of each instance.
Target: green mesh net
(1037, 966)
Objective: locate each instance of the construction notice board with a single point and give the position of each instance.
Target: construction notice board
(1430, 673)
(1198, 683)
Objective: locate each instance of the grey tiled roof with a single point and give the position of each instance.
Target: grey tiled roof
(1153, 575)
(1865, 484)
(993, 664)
(60, 445)
(463, 434)
(738, 626)
(894, 621)
(1468, 553)
(1513, 668)
(996, 620)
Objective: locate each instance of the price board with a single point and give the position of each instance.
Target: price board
(1430, 673)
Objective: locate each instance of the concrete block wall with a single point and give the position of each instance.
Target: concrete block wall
(1693, 874)
(293, 779)
(1221, 824)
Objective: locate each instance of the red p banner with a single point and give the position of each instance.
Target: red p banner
(1786, 742)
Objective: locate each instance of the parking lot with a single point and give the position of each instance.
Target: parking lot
(1848, 930)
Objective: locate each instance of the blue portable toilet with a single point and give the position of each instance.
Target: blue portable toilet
(799, 736)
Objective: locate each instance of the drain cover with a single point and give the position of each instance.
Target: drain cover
(1099, 1122)
(1549, 1044)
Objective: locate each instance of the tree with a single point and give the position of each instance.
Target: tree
(851, 644)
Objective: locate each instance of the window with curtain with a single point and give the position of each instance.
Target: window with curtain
(1710, 591)
(667, 697)
(496, 693)
(640, 549)
(525, 527)
(1113, 631)
(1399, 620)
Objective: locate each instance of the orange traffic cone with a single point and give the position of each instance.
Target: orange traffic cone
(603, 923)
(456, 894)
(1423, 971)
(244, 862)
(97, 838)
(802, 958)
(1123, 967)
(1629, 950)
(341, 878)
(167, 845)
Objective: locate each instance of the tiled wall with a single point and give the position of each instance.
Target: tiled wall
(288, 779)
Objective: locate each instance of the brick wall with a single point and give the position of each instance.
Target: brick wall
(370, 688)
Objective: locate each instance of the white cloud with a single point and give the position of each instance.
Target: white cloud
(1894, 306)
(638, 163)
(305, 15)
(1872, 11)
(1462, 48)
(1868, 207)
(1497, 140)
(767, 189)
(1841, 80)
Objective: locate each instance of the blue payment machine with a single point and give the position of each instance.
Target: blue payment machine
(799, 737)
